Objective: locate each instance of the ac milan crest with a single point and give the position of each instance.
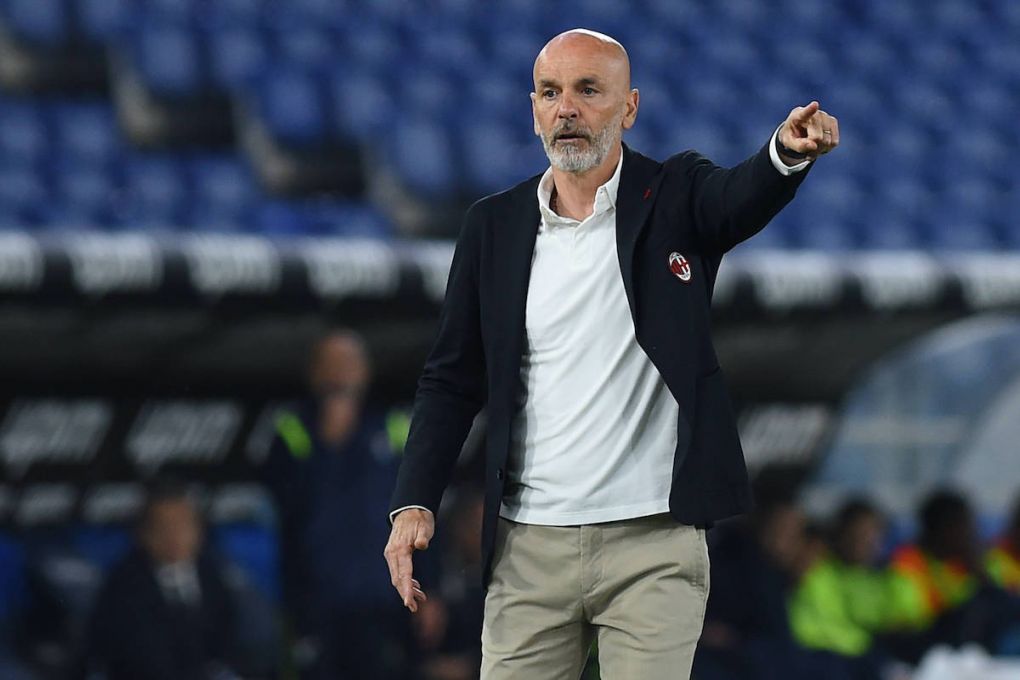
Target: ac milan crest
(680, 267)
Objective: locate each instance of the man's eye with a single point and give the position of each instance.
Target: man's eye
(549, 94)
(588, 90)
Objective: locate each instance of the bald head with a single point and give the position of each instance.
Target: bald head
(593, 47)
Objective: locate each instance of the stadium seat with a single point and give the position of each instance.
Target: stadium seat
(422, 155)
(102, 545)
(101, 21)
(43, 23)
(168, 58)
(307, 45)
(253, 548)
(352, 219)
(12, 579)
(84, 186)
(23, 134)
(222, 185)
(361, 104)
(156, 186)
(292, 105)
(237, 55)
(86, 132)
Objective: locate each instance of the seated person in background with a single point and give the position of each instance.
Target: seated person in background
(941, 571)
(458, 651)
(943, 590)
(331, 468)
(164, 612)
(1003, 560)
(844, 599)
(754, 565)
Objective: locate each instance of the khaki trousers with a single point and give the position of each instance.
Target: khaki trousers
(637, 586)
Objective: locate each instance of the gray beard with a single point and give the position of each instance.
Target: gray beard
(577, 160)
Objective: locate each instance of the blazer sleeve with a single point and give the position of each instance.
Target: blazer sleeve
(730, 205)
(451, 390)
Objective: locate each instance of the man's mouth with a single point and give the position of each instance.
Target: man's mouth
(570, 136)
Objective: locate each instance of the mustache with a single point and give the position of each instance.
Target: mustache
(568, 130)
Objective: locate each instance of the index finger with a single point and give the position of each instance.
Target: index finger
(405, 569)
(804, 115)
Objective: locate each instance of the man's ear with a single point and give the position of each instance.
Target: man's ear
(534, 115)
(630, 113)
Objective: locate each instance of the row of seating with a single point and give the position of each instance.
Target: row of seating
(435, 96)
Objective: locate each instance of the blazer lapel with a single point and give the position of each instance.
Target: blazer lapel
(640, 178)
(515, 247)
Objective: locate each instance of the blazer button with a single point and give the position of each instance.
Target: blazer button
(499, 474)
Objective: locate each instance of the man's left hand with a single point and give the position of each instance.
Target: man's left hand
(809, 130)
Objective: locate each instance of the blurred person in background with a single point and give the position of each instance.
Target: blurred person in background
(164, 612)
(942, 568)
(755, 565)
(458, 651)
(577, 309)
(945, 594)
(330, 468)
(1003, 559)
(844, 598)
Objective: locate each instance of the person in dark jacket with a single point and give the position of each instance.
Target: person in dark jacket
(330, 469)
(164, 612)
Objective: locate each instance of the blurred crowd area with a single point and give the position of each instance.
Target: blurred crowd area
(301, 590)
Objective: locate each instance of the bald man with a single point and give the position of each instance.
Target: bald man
(577, 310)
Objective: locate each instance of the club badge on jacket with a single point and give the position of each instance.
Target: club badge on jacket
(680, 267)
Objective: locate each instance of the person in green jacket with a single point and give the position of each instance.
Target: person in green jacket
(843, 598)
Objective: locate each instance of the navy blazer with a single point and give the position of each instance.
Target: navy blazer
(686, 205)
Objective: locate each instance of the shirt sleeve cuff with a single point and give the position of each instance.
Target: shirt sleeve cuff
(407, 507)
(777, 162)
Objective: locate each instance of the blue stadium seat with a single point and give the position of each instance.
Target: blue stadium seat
(253, 548)
(495, 93)
(156, 186)
(23, 134)
(168, 58)
(291, 103)
(362, 104)
(223, 187)
(13, 590)
(237, 55)
(354, 219)
(172, 10)
(423, 157)
(39, 22)
(308, 46)
(489, 150)
(101, 21)
(958, 232)
(102, 545)
(880, 233)
(429, 93)
(280, 218)
(86, 132)
(84, 187)
(443, 47)
(21, 192)
(824, 232)
(370, 44)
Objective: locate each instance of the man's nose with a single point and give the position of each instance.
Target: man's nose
(568, 108)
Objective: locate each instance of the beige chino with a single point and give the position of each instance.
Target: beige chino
(639, 586)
